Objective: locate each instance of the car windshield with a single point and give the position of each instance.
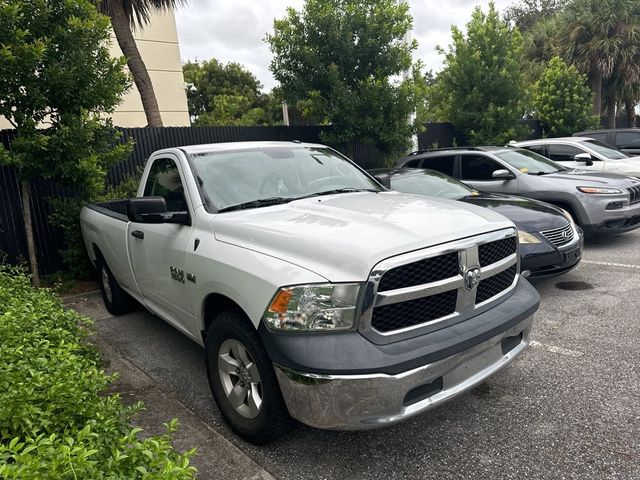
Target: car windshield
(606, 151)
(529, 162)
(263, 176)
(429, 182)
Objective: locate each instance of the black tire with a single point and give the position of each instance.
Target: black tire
(117, 301)
(272, 419)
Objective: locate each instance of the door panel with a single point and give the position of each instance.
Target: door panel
(158, 250)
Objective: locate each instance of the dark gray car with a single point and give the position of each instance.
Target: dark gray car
(625, 139)
(599, 202)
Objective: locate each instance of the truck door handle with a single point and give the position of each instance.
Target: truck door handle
(137, 234)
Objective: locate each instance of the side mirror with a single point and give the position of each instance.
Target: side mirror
(503, 174)
(147, 210)
(584, 158)
(384, 179)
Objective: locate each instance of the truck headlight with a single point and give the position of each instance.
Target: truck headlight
(526, 237)
(327, 307)
(600, 190)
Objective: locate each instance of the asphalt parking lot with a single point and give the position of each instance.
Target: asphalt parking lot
(568, 409)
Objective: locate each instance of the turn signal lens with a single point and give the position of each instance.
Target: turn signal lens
(280, 302)
(526, 237)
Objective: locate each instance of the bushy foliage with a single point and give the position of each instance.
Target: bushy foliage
(56, 422)
(228, 94)
(481, 90)
(66, 215)
(338, 61)
(562, 100)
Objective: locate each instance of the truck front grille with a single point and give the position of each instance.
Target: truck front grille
(634, 194)
(559, 236)
(420, 272)
(493, 252)
(421, 291)
(492, 286)
(414, 312)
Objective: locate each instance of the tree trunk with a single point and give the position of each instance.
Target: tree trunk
(138, 69)
(611, 113)
(630, 107)
(596, 86)
(28, 229)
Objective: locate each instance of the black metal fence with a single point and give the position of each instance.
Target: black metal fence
(49, 240)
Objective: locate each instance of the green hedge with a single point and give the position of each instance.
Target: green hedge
(56, 422)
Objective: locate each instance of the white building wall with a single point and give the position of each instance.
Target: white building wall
(160, 50)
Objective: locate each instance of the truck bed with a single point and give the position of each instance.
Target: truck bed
(116, 209)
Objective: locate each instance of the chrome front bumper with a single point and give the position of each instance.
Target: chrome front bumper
(360, 402)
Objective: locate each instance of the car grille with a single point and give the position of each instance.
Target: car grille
(492, 286)
(421, 272)
(559, 236)
(493, 252)
(424, 291)
(414, 312)
(634, 194)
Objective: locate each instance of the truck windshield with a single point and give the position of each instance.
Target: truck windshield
(529, 162)
(263, 176)
(606, 151)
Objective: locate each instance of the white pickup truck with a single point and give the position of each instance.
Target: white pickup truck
(316, 293)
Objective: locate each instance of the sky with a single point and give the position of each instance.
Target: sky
(234, 30)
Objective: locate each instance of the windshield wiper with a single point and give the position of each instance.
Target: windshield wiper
(339, 190)
(262, 202)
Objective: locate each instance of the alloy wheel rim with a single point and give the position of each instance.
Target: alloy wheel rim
(106, 285)
(240, 378)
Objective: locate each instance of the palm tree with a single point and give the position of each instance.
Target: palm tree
(602, 38)
(126, 16)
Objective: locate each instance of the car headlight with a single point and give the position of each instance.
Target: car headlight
(526, 237)
(327, 307)
(600, 190)
(568, 216)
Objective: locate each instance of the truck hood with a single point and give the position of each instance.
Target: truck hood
(342, 237)
(628, 166)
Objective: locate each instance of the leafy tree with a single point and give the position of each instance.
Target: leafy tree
(527, 13)
(336, 61)
(602, 39)
(562, 100)
(128, 15)
(57, 79)
(228, 95)
(481, 87)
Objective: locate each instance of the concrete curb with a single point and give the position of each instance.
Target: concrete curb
(216, 457)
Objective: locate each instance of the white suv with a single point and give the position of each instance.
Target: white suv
(584, 153)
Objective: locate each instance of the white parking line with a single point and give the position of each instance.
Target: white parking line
(559, 350)
(610, 264)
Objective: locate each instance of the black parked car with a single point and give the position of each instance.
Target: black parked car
(550, 243)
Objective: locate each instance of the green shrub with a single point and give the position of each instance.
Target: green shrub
(66, 215)
(56, 422)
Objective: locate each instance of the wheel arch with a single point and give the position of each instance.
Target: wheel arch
(216, 303)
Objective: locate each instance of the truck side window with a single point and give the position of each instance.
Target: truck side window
(478, 167)
(565, 153)
(164, 181)
(441, 164)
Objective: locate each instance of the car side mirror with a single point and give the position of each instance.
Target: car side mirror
(584, 158)
(147, 210)
(384, 179)
(503, 174)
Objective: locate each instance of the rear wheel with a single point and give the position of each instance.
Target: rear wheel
(243, 381)
(115, 298)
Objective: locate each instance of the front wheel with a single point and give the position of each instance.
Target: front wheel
(243, 381)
